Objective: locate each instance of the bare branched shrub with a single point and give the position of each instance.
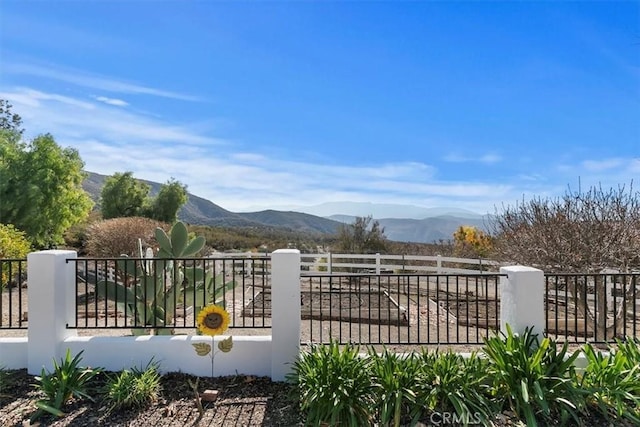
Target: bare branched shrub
(119, 236)
(581, 232)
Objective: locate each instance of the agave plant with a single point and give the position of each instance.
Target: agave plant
(149, 291)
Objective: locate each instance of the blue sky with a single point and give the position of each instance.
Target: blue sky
(260, 105)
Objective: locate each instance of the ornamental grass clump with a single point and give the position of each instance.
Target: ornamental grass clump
(534, 379)
(613, 381)
(393, 378)
(5, 379)
(134, 388)
(68, 380)
(334, 385)
(451, 383)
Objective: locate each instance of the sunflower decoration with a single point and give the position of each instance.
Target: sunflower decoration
(213, 320)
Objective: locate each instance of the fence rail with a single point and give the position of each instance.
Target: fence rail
(592, 307)
(165, 294)
(376, 305)
(13, 294)
(317, 263)
(400, 309)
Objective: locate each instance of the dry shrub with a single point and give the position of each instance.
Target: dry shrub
(119, 236)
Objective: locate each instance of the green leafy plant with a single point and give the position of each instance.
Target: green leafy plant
(5, 379)
(393, 379)
(613, 380)
(67, 380)
(449, 382)
(533, 378)
(334, 385)
(133, 388)
(149, 290)
(13, 244)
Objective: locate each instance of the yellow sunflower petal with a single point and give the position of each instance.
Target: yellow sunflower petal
(213, 320)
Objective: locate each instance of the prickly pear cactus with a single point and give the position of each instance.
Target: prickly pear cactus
(153, 288)
(177, 244)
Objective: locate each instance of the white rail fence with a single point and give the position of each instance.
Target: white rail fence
(331, 263)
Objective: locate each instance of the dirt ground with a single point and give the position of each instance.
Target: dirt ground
(243, 401)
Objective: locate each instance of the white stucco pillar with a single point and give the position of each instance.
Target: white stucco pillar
(285, 311)
(51, 306)
(522, 299)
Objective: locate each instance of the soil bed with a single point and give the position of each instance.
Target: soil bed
(364, 307)
(243, 401)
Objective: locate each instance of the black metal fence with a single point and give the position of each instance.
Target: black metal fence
(13, 294)
(163, 295)
(400, 309)
(592, 307)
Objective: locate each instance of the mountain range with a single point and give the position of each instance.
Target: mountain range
(438, 224)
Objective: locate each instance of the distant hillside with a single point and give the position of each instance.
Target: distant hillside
(378, 210)
(294, 220)
(429, 229)
(426, 230)
(199, 211)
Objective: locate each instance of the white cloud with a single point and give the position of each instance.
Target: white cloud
(114, 140)
(81, 78)
(602, 165)
(112, 101)
(67, 117)
(488, 158)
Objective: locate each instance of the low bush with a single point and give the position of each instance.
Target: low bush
(451, 383)
(340, 386)
(613, 381)
(13, 244)
(5, 379)
(516, 375)
(133, 388)
(334, 385)
(394, 379)
(119, 236)
(533, 378)
(67, 380)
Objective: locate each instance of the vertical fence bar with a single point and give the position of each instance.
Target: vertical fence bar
(2, 285)
(486, 301)
(634, 283)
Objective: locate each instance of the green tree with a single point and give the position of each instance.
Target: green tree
(165, 206)
(41, 187)
(9, 120)
(123, 196)
(362, 237)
